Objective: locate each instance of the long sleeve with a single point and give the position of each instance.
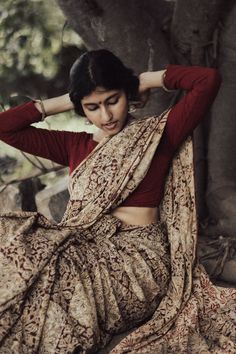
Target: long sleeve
(16, 130)
(202, 85)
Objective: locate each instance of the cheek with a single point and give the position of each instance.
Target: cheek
(91, 117)
(124, 106)
(121, 112)
(126, 109)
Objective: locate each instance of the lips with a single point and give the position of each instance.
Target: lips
(110, 126)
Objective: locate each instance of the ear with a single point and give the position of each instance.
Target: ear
(87, 121)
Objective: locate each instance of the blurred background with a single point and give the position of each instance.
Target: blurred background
(37, 49)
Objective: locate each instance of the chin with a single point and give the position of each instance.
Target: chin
(113, 133)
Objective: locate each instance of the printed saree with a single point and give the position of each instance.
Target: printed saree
(70, 287)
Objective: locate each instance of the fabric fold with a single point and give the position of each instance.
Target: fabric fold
(71, 287)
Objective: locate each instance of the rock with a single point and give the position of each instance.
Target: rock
(228, 275)
(7, 164)
(10, 199)
(52, 201)
(211, 254)
(57, 204)
(222, 204)
(28, 189)
(20, 196)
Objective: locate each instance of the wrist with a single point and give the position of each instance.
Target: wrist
(66, 102)
(40, 107)
(151, 79)
(54, 105)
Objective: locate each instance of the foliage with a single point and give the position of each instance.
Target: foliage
(37, 49)
(32, 34)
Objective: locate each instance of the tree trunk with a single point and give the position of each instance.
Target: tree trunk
(134, 31)
(130, 30)
(221, 196)
(192, 32)
(193, 25)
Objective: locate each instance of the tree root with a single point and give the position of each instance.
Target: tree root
(222, 249)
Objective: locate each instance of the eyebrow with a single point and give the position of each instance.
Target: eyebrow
(107, 99)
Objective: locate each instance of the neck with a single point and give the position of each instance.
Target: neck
(98, 135)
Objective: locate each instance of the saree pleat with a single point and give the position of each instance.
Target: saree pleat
(70, 287)
(80, 293)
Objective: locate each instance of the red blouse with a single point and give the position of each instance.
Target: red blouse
(70, 148)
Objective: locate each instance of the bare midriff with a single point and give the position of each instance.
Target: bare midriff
(136, 215)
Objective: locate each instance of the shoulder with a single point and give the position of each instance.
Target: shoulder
(78, 137)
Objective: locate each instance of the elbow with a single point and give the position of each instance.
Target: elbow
(211, 83)
(3, 136)
(214, 79)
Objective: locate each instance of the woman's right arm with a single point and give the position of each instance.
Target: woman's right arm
(16, 130)
(55, 105)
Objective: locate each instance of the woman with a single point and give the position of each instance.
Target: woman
(123, 256)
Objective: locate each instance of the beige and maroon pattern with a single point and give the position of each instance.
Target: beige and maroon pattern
(68, 288)
(65, 289)
(194, 316)
(112, 171)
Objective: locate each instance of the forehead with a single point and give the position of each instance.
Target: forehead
(100, 93)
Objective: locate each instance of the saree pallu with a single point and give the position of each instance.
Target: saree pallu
(69, 288)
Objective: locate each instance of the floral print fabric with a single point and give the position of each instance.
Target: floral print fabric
(69, 288)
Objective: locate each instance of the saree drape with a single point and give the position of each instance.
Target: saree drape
(68, 288)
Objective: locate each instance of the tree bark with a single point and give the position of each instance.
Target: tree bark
(193, 25)
(192, 33)
(130, 30)
(134, 31)
(221, 196)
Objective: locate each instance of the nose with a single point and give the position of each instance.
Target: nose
(106, 114)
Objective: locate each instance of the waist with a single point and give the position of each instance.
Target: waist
(136, 215)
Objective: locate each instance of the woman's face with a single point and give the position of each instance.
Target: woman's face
(107, 109)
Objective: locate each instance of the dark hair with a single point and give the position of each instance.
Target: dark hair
(100, 68)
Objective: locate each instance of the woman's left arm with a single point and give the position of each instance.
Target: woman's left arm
(201, 85)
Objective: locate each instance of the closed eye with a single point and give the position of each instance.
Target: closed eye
(113, 100)
(92, 107)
